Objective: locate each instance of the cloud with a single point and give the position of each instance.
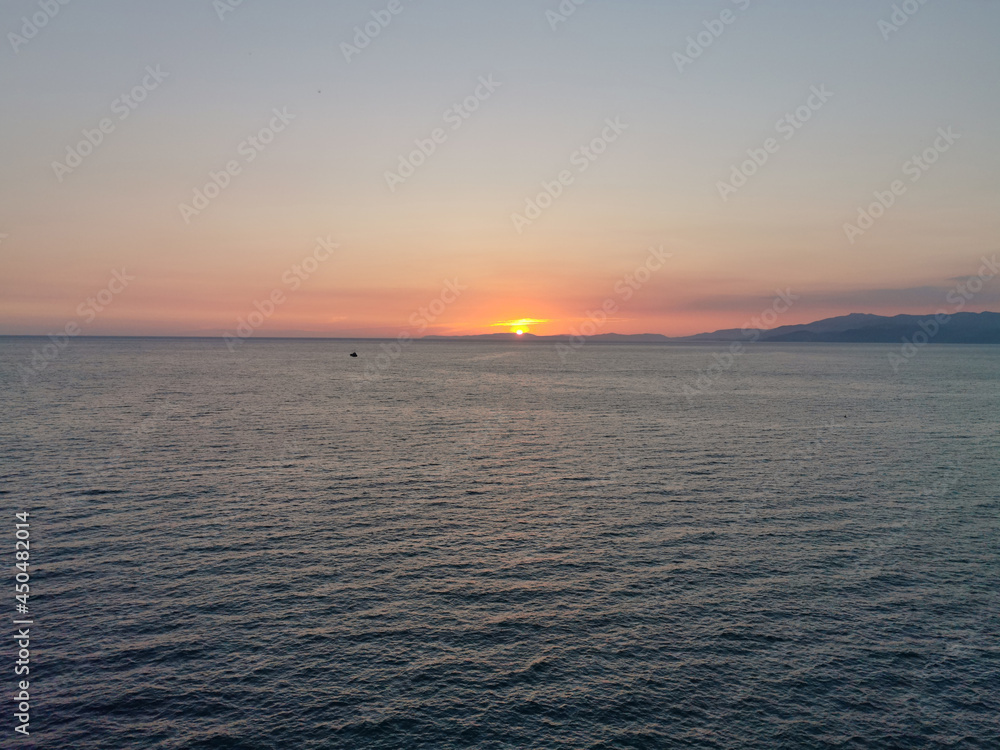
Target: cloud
(849, 300)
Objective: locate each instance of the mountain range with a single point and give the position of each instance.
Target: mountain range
(856, 328)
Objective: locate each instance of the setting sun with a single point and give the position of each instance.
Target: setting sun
(519, 326)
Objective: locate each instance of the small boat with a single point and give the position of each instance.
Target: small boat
(354, 354)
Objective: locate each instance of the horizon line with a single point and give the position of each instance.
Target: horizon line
(499, 335)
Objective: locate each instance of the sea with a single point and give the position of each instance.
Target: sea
(445, 545)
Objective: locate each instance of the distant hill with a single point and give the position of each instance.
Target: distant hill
(857, 328)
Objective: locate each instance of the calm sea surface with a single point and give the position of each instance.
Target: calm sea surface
(484, 546)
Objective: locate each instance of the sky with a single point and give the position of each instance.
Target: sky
(412, 167)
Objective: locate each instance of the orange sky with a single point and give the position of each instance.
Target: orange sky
(504, 105)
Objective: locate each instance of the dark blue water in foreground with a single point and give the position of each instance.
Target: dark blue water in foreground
(487, 547)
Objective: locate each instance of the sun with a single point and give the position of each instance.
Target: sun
(519, 326)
